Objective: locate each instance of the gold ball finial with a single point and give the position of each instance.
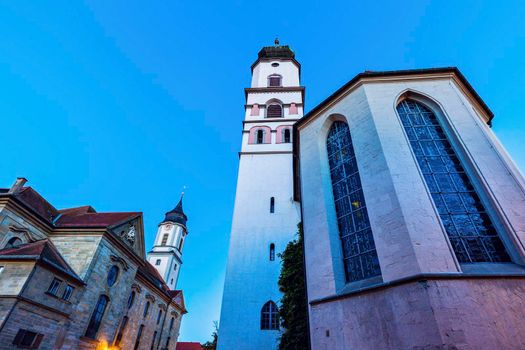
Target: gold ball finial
(276, 41)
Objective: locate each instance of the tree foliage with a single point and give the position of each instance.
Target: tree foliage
(212, 345)
(293, 311)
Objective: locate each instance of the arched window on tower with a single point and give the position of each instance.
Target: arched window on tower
(165, 239)
(96, 316)
(359, 251)
(269, 316)
(272, 205)
(13, 242)
(274, 80)
(287, 135)
(260, 136)
(468, 226)
(272, 252)
(274, 110)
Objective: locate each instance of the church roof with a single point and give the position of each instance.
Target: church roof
(85, 216)
(276, 51)
(182, 345)
(176, 215)
(43, 251)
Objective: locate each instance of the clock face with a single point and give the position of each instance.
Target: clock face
(167, 227)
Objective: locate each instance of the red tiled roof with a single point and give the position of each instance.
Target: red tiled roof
(44, 251)
(188, 346)
(85, 216)
(35, 201)
(75, 218)
(151, 273)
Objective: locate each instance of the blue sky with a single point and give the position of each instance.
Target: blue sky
(119, 104)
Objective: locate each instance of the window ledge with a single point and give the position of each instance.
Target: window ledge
(352, 289)
(57, 297)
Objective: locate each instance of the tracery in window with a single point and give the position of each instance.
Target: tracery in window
(359, 251)
(468, 226)
(269, 316)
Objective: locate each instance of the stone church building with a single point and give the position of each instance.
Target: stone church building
(79, 279)
(413, 214)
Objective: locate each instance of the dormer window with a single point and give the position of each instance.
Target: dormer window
(274, 111)
(274, 80)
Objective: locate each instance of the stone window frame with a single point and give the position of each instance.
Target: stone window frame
(54, 287)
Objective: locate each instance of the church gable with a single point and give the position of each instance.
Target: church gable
(131, 233)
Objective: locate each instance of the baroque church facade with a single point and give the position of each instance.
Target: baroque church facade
(78, 279)
(413, 214)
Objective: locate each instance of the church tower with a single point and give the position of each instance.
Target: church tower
(166, 254)
(265, 216)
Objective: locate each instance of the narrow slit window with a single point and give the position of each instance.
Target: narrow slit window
(286, 136)
(272, 205)
(260, 136)
(272, 252)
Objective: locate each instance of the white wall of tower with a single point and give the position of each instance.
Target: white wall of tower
(265, 171)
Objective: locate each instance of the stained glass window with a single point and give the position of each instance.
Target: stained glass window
(469, 228)
(269, 316)
(359, 251)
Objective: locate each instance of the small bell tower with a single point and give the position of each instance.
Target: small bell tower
(166, 254)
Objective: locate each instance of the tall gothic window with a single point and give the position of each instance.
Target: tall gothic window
(274, 111)
(469, 228)
(96, 317)
(269, 316)
(146, 309)
(359, 251)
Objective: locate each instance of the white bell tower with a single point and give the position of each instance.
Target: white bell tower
(166, 254)
(265, 215)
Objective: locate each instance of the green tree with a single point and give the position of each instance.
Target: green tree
(293, 311)
(212, 345)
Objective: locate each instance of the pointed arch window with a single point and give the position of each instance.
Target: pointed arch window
(272, 252)
(96, 317)
(274, 110)
(468, 226)
(274, 80)
(121, 330)
(139, 335)
(287, 135)
(359, 251)
(269, 316)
